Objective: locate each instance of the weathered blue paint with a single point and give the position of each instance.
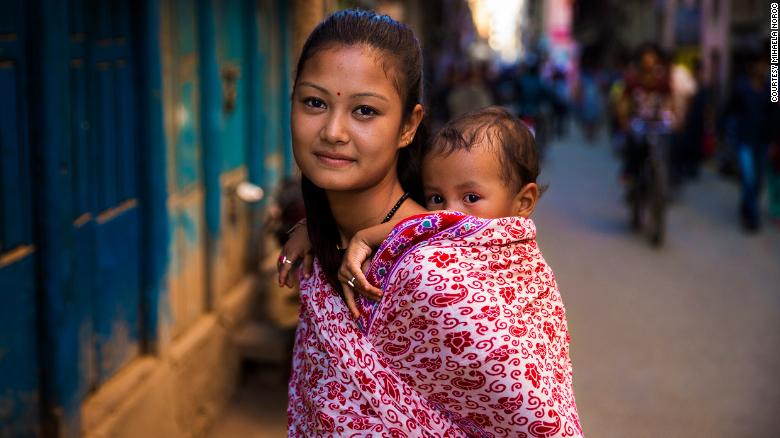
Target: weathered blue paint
(15, 220)
(59, 308)
(186, 163)
(231, 38)
(87, 200)
(187, 156)
(82, 173)
(285, 21)
(100, 247)
(116, 302)
(254, 91)
(210, 118)
(19, 355)
(153, 186)
(116, 295)
(182, 63)
(269, 36)
(18, 352)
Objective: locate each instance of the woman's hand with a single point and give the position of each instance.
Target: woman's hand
(297, 249)
(351, 274)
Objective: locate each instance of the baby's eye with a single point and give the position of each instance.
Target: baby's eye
(435, 200)
(314, 102)
(365, 111)
(471, 198)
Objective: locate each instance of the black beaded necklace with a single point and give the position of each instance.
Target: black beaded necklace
(395, 208)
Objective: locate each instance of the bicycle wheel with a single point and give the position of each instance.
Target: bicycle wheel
(656, 205)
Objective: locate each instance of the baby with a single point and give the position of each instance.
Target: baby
(483, 164)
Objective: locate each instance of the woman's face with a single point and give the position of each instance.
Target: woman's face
(346, 119)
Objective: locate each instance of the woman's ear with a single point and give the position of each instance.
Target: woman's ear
(410, 126)
(525, 200)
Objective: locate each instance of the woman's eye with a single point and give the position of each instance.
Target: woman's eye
(365, 111)
(471, 198)
(435, 199)
(314, 102)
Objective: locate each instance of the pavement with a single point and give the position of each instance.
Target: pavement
(679, 341)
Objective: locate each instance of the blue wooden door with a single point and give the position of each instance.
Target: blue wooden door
(104, 167)
(19, 386)
(107, 178)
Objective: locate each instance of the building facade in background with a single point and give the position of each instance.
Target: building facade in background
(126, 258)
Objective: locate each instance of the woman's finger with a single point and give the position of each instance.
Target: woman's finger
(344, 274)
(287, 264)
(283, 267)
(365, 288)
(366, 285)
(349, 298)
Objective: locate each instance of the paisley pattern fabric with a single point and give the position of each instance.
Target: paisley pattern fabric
(469, 339)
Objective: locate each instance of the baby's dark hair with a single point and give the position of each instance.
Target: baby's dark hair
(492, 126)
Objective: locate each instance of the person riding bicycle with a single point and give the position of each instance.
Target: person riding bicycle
(646, 97)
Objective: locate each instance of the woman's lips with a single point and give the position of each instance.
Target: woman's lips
(334, 160)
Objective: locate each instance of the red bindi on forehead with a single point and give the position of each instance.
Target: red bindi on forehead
(338, 93)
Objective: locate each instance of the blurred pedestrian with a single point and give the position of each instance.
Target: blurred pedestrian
(534, 96)
(647, 96)
(469, 92)
(749, 109)
(773, 169)
(587, 96)
(560, 103)
(689, 99)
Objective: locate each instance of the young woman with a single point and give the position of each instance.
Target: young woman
(460, 344)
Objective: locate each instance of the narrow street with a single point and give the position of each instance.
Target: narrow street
(673, 342)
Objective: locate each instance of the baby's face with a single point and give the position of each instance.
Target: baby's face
(470, 182)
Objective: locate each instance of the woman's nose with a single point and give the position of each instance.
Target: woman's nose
(334, 131)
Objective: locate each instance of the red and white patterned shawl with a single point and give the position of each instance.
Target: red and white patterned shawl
(469, 339)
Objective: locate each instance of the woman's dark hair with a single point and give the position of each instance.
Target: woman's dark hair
(398, 45)
(495, 127)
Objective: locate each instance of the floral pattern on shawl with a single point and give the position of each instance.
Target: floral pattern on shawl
(470, 339)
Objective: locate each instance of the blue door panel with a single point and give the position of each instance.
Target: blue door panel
(116, 300)
(231, 37)
(105, 136)
(187, 158)
(19, 381)
(14, 170)
(18, 355)
(115, 284)
(91, 293)
(82, 163)
(125, 132)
